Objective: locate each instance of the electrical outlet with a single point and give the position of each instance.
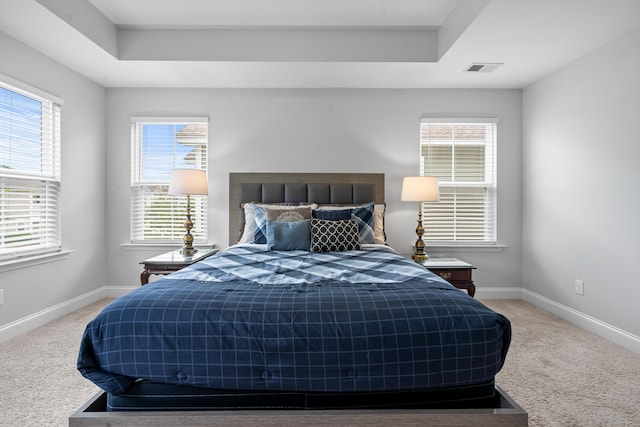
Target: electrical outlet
(579, 287)
(1, 296)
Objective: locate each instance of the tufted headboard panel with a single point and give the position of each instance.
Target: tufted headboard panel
(321, 188)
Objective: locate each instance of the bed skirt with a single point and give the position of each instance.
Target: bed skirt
(150, 396)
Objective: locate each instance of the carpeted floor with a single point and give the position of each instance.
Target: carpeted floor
(565, 376)
(561, 374)
(39, 383)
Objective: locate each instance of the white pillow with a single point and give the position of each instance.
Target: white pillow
(249, 223)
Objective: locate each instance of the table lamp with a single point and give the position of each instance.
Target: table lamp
(189, 182)
(420, 189)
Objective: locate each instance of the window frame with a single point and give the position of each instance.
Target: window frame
(40, 189)
(451, 189)
(176, 203)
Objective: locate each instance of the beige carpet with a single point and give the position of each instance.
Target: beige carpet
(565, 376)
(39, 383)
(562, 375)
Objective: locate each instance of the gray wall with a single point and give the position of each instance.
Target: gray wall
(581, 184)
(568, 198)
(30, 290)
(329, 130)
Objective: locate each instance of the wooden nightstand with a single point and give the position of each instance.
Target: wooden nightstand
(171, 261)
(453, 270)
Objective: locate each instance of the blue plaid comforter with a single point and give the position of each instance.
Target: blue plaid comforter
(250, 319)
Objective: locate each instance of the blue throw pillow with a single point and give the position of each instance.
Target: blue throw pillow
(260, 234)
(363, 216)
(332, 214)
(288, 236)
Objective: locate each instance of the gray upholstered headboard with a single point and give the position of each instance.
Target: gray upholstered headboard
(337, 188)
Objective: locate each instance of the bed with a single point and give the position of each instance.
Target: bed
(340, 322)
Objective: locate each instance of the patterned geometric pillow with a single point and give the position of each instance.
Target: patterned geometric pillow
(333, 236)
(264, 214)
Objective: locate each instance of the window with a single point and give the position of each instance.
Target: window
(462, 154)
(158, 146)
(29, 171)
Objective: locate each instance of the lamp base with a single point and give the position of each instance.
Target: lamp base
(188, 251)
(418, 249)
(419, 257)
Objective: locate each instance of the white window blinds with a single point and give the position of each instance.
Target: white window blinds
(29, 171)
(159, 145)
(462, 154)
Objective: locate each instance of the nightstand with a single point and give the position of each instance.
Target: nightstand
(170, 262)
(453, 270)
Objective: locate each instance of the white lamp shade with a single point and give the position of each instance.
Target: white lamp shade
(188, 181)
(420, 189)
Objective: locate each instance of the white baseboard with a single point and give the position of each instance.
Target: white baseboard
(497, 292)
(625, 339)
(35, 320)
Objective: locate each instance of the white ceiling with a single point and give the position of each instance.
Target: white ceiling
(207, 13)
(316, 44)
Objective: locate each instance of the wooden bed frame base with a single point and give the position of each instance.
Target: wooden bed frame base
(93, 413)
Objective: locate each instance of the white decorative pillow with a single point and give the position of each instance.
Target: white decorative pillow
(249, 223)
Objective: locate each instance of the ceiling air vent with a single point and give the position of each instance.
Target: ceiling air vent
(482, 67)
